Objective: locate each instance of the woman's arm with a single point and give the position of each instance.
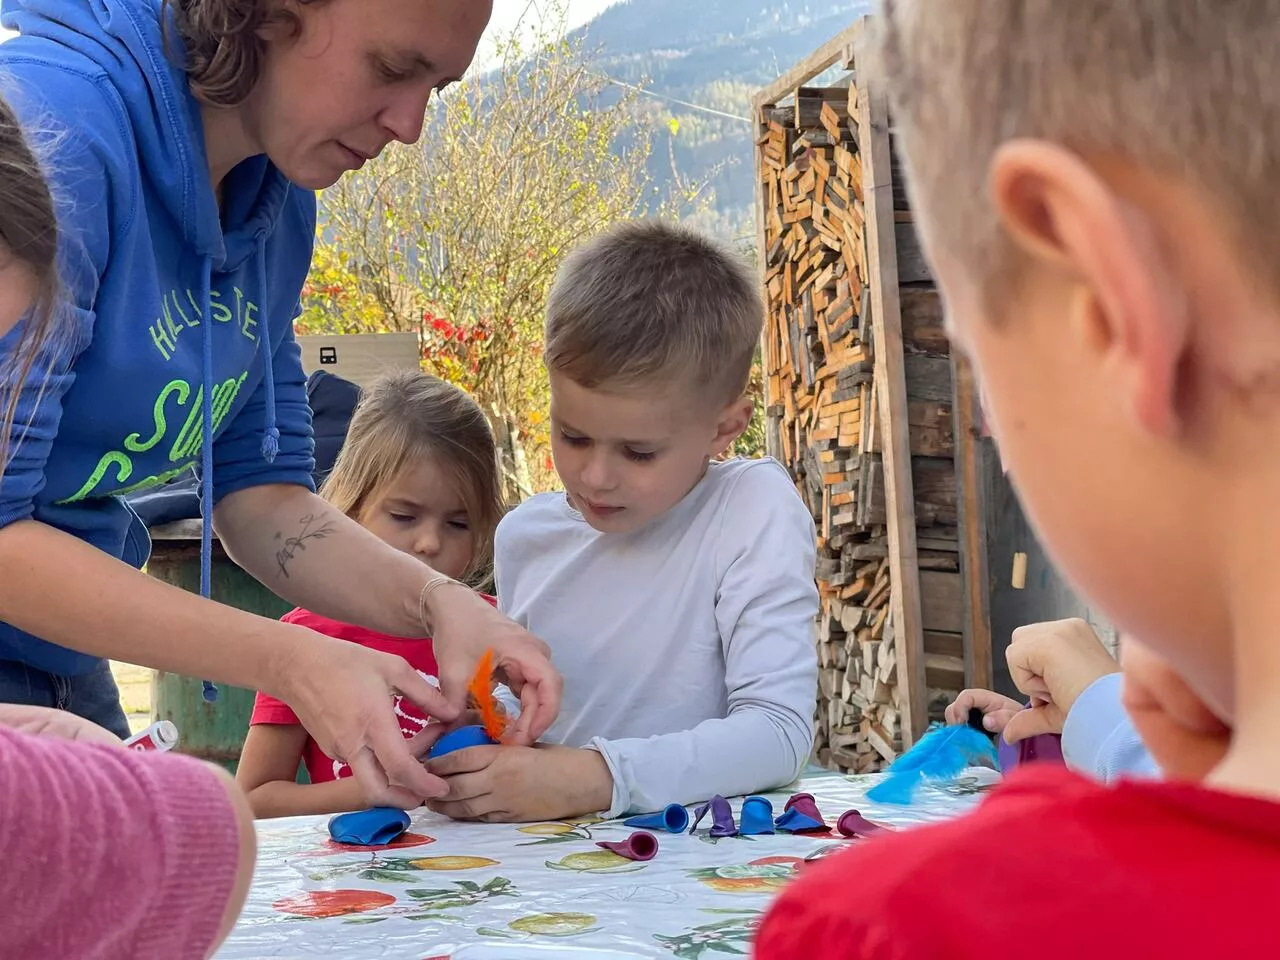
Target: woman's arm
(268, 770)
(341, 692)
(316, 557)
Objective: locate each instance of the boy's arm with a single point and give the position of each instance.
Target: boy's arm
(1098, 737)
(765, 611)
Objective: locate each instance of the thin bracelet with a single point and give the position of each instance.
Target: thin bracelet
(428, 588)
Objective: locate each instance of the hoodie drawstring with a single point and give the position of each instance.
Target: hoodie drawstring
(206, 445)
(271, 433)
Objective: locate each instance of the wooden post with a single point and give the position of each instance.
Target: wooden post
(890, 378)
(772, 425)
(973, 526)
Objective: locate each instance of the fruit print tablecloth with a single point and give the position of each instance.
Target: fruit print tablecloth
(457, 890)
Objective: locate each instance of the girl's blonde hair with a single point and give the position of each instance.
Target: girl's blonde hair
(405, 416)
(28, 235)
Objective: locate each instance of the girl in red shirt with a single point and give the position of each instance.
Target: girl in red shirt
(419, 469)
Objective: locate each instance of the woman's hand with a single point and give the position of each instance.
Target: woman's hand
(343, 693)
(464, 625)
(47, 722)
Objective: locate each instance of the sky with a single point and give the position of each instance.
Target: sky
(507, 13)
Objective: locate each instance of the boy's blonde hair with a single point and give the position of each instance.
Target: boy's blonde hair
(406, 416)
(1187, 88)
(648, 301)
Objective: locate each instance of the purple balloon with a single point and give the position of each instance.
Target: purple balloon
(854, 824)
(1042, 748)
(804, 805)
(722, 823)
(639, 846)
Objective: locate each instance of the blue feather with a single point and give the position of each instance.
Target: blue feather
(940, 755)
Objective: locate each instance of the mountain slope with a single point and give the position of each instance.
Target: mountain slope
(715, 54)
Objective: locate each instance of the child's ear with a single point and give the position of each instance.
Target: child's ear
(734, 420)
(1126, 305)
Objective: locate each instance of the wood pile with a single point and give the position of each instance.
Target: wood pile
(825, 422)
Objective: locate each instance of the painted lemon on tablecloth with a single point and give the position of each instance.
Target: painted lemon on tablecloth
(333, 903)
(452, 863)
(547, 829)
(595, 861)
(554, 924)
(765, 875)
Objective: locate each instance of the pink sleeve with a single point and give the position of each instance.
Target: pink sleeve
(109, 852)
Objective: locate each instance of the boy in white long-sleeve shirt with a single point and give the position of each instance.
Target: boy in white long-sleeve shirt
(676, 592)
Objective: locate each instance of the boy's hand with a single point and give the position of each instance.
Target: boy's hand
(1185, 737)
(997, 709)
(510, 784)
(1053, 663)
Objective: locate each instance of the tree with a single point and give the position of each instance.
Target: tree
(459, 237)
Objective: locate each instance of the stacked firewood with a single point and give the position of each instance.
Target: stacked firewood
(825, 424)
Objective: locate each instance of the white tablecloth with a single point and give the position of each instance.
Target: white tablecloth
(493, 892)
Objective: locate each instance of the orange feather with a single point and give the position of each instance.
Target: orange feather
(492, 716)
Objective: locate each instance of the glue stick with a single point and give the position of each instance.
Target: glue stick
(160, 736)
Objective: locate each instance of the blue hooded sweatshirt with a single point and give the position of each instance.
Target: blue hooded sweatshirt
(177, 347)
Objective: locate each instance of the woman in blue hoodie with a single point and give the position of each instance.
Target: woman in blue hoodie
(185, 140)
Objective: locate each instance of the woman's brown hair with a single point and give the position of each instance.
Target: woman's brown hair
(222, 48)
(28, 236)
(404, 416)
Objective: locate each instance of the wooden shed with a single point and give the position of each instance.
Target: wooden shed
(875, 418)
(923, 549)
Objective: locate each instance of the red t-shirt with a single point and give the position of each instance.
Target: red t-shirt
(1051, 866)
(420, 654)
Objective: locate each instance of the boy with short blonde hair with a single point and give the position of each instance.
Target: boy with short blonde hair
(1094, 184)
(676, 591)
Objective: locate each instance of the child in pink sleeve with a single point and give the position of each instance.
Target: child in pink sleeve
(113, 853)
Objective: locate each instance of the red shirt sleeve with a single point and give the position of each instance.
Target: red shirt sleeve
(270, 710)
(78, 818)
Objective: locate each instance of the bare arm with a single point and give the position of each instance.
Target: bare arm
(341, 691)
(311, 554)
(267, 772)
(318, 558)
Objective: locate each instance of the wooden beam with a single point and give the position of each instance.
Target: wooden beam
(966, 410)
(895, 441)
(772, 427)
(836, 50)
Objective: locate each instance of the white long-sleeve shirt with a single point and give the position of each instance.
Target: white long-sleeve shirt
(687, 647)
(1098, 737)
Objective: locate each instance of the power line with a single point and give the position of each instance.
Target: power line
(662, 96)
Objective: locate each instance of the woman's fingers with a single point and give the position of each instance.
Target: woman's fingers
(465, 627)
